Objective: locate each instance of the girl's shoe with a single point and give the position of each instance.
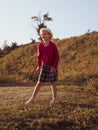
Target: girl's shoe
(54, 101)
(29, 101)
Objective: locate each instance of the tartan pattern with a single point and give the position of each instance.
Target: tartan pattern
(46, 75)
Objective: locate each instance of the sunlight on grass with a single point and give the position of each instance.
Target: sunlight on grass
(75, 110)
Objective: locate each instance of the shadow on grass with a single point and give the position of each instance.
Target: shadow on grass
(15, 84)
(30, 82)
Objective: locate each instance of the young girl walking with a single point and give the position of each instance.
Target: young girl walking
(47, 62)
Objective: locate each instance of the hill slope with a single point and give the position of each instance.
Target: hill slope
(79, 58)
(78, 61)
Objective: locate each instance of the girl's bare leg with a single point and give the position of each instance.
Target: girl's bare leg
(54, 91)
(35, 92)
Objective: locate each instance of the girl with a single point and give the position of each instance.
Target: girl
(47, 62)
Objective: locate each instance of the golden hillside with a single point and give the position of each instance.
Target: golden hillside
(78, 61)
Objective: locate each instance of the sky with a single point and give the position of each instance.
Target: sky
(70, 18)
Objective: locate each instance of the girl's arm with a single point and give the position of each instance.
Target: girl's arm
(38, 57)
(56, 57)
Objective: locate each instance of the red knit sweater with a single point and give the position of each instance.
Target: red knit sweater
(48, 55)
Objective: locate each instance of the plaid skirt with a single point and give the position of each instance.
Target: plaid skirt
(46, 75)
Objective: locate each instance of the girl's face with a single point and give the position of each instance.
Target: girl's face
(45, 35)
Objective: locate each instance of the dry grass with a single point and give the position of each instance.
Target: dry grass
(78, 61)
(75, 110)
(77, 93)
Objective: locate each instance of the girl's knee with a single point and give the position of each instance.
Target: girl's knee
(39, 83)
(52, 83)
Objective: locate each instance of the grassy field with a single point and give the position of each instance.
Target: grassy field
(77, 87)
(76, 109)
(78, 61)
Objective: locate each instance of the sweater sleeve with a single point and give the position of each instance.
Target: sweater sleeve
(38, 56)
(56, 57)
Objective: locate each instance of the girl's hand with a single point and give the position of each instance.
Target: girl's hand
(52, 70)
(38, 68)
